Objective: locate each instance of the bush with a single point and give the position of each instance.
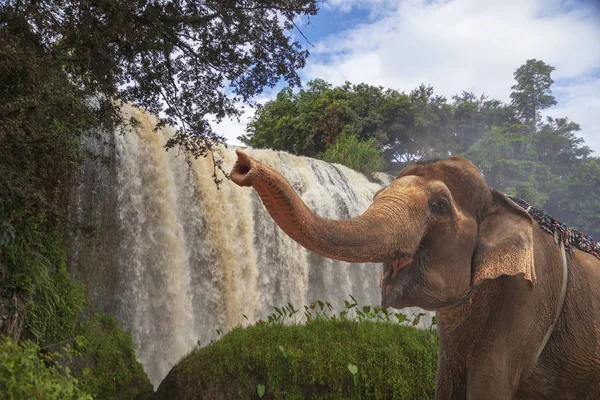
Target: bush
(365, 157)
(35, 264)
(326, 358)
(59, 317)
(26, 373)
(110, 369)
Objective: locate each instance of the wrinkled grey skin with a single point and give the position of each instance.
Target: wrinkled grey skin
(440, 231)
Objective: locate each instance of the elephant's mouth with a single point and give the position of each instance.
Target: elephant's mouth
(390, 290)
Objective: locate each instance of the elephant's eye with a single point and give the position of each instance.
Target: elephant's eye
(439, 206)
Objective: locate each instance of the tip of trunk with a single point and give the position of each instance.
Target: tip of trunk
(242, 170)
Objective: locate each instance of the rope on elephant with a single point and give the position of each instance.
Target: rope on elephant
(570, 237)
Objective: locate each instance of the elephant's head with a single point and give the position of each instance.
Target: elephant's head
(438, 229)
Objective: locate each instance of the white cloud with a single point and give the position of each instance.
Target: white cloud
(469, 45)
(231, 128)
(581, 104)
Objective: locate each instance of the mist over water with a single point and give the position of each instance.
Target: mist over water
(175, 259)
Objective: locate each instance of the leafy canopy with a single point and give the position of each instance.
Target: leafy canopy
(187, 61)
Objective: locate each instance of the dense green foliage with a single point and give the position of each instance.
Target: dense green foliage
(35, 265)
(106, 364)
(42, 119)
(305, 122)
(532, 93)
(541, 161)
(172, 58)
(27, 373)
(48, 306)
(578, 199)
(351, 152)
(407, 127)
(328, 357)
(98, 363)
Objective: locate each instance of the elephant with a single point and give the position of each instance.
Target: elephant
(516, 317)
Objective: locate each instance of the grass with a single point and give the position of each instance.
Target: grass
(326, 357)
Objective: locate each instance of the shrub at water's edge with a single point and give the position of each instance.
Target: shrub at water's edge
(72, 349)
(104, 361)
(27, 373)
(332, 358)
(97, 364)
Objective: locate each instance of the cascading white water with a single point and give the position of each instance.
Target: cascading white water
(175, 259)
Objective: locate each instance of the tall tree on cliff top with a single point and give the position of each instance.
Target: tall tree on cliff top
(188, 60)
(532, 93)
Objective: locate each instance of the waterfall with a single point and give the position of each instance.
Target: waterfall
(174, 258)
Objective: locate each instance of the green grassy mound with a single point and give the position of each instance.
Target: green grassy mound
(322, 359)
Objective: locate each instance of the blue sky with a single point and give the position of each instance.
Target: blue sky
(457, 45)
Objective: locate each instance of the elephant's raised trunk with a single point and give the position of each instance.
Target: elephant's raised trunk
(378, 235)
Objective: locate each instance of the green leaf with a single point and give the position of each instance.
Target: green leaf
(401, 317)
(260, 389)
(353, 369)
(283, 351)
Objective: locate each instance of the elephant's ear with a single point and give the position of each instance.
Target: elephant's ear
(505, 242)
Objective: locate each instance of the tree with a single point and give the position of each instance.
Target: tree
(474, 116)
(306, 122)
(557, 146)
(187, 60)
(577, 203)
(43, 116)
(302, 123)
(427, 134)
(532, 93)
(506, 156)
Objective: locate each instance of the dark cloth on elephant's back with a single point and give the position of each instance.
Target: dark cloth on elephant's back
(561, 232)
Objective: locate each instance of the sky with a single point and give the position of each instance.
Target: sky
(455, 45)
